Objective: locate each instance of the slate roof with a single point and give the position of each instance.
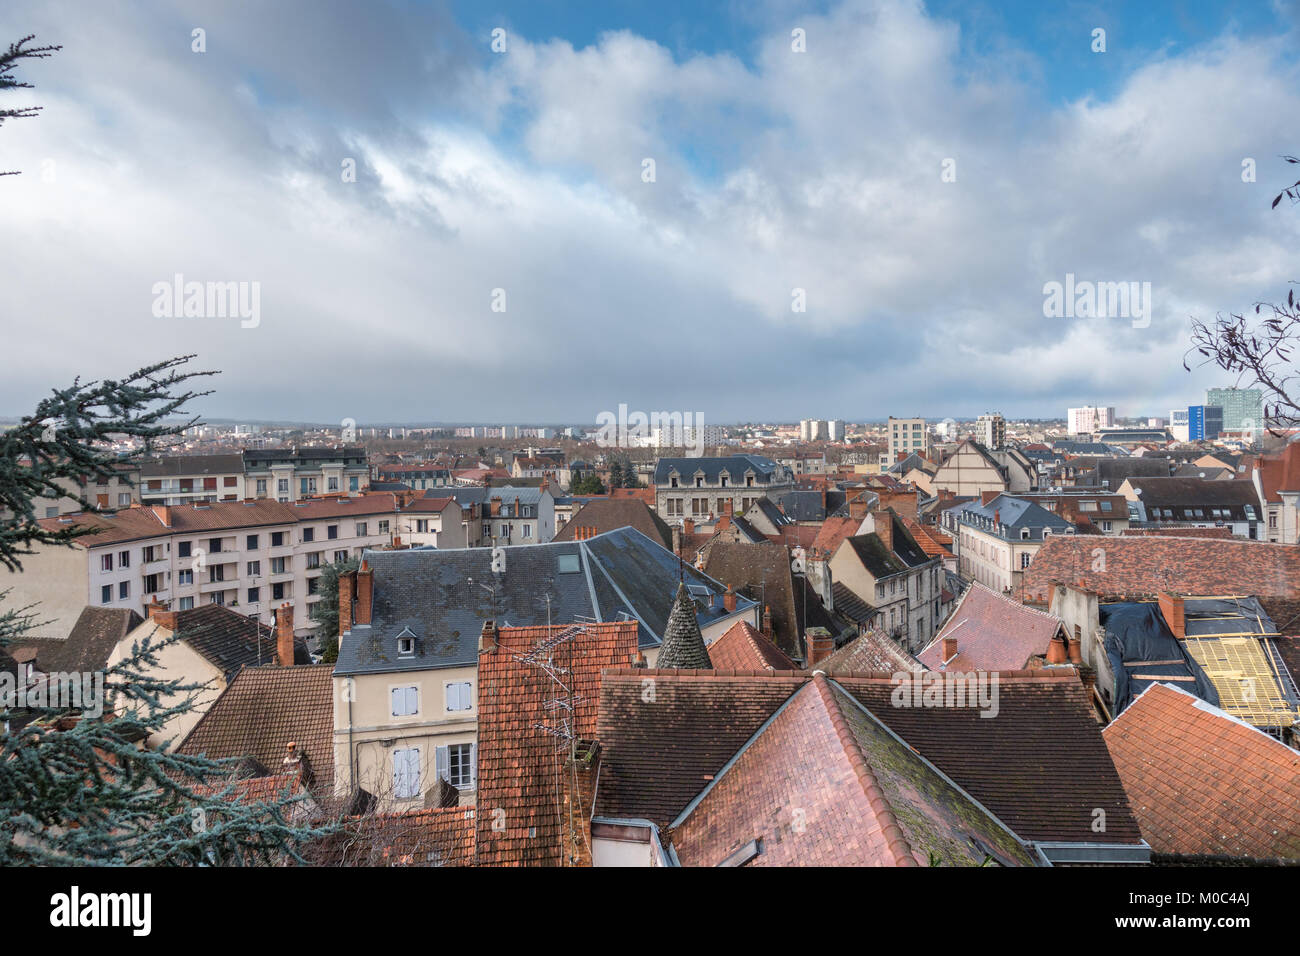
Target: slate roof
(522, 768)
(443, 596)
(173, 466)
(1015, 515)
(609, 514)
(683, 644)
(1113, 472)
(993, 633)
(742, 648)
(827, 784)
(736, 467)
(263, 710)
(1185, 496)
(1203, 783)
(810, 505)
(850, 605)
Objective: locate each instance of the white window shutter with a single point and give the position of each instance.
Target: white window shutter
(412, 700)
(443, 771)
(397, 701)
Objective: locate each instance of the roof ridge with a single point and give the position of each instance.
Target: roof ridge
(891, 831)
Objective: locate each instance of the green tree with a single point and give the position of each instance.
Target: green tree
(326, 611)
(616, 474)
(9, 59)
(589, 484)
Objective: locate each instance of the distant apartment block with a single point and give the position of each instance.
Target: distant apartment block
(1204, 422)
(907, 436)
(991, 430)
(1242, 407)
(1089, 419)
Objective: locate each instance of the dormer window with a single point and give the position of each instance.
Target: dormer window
(406, 643)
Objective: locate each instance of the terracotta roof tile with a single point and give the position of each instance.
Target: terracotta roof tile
(1203, 783)
(743, 648)
(993, 633)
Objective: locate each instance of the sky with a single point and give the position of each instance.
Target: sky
(855, 209)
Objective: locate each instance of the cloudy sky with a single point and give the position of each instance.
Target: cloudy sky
(524, 170)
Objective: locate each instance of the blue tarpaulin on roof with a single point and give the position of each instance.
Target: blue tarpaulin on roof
(1143, 651)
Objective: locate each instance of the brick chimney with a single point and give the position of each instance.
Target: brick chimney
(767, 622)
(487, 639)
(688, 526)
(365, 592)
(949, 647)
(729, 599)
(284, 635)
(347, 588)
(885, 529)
(159, 614)
(1171, 606)
(163, 514)
(820, 645)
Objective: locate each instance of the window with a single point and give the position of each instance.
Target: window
(152, 583)
(362, 529)
(308, 534)
(313, 560)
(459, 696)
(123, 590)
(214, 545)
(406, 644)
(406, 701)
(279, 591)
(282, 486)
(1024, 560)
(254, 595)
(217, 573)
(106, 562)
(106, 594)
(183, 549)
(340, 556)
(332, 531)
(421, 525)
(251, 543)
(383, 525)
(307, 486)
(185, 577)
(185, 604)
(406, 773)
(254, 568)
(333, 484)
(456, 765)
(229, 481)
(261, 487)
(277, 539)
(124, 499)
(699, 506)
(52, 512)
(312, 584)
(277, 565)
(148, 553)
(352, 484)
(527, 531)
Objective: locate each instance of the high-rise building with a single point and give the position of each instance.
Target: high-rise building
(1242, 407)
(814, 429)
(907, 435)
(1204, 421)
(835, 429)
(1089, 418)
(992, 430)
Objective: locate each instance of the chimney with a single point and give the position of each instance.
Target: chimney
(949, 648)
(1171, 606)
(487, 639)
(729, 599)
(638, 660)
(164, 514)
(885, 529)
(688, 526)
(1076, 647)
(295, 761)
(163, 617)
(365, 592)
(284, 635)
(1056, 652)
(820, 645)
(677, 541)
(767, 622)
(727, 505)
(347, 588)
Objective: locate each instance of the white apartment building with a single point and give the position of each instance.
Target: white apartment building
(907, 436)
(1089, 418)
(250, 556)
(835, 429)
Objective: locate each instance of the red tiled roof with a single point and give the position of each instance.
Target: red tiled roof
(826, 784)
(993, 633)
(1179, 532)
(438, 836)
(523, 770)
(428, 505)
(743, 648)
(1203, 783)
(833, 531)
(263, 710)
(1145, 566)
(870, 653)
